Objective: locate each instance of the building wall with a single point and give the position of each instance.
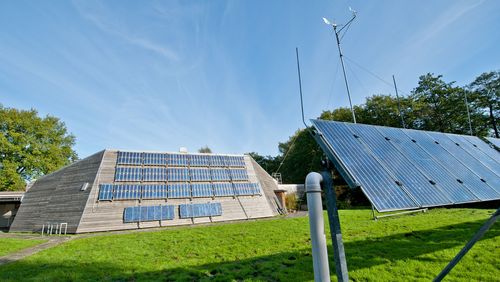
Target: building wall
(57, 197)
(108, 215)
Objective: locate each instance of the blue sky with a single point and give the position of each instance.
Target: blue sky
(158, 75)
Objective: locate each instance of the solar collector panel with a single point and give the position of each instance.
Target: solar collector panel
(377, 184)
(445, 180)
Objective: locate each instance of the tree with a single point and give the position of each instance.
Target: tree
(205, 149)
(486, 97)
(440, 106)
(31, 146)
(269, 163)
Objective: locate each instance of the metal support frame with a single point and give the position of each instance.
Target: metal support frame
(479, 234)
(375, 217)
(335, 231)
(315, 183)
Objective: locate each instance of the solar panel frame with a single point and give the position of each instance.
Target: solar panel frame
(105, 192)
(202, 190)
(157, 159)
(200, 210)
(220, 174)
(178, 159)
(434, 170)
(199, 160)
(200, 174)
(217, 161)
(176, 174)
(154, 174)
(129, 158)
(128, 173)
(415, 183)
(391, 197)
(494, 141)
(224, 189)
(178, 190)
(238, 174)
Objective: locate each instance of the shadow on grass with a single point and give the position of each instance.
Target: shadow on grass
(284, 266)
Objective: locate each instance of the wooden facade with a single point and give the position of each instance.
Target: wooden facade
(58, 198)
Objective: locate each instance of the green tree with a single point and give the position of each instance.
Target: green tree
(31, 146)
(485, 97)
(440, 106)
(269, 163)
(205, 149)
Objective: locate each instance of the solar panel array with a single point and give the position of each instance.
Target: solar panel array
(163, 176)
(406, 169)
(181, 190)
(167, 212)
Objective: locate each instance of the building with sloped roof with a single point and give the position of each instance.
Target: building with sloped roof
(120, 190)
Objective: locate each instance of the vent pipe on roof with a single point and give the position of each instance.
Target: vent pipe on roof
(183, 150)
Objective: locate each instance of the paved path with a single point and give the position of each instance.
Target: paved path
(53, 241)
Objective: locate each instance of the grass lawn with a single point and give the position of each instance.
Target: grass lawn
(407, 248)
(11, 245)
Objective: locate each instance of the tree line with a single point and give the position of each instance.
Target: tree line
(434, 105)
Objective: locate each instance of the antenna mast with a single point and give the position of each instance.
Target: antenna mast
(399, 104)
(337, 32)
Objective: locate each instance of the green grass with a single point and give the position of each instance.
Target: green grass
(11, 245)
(407, 248)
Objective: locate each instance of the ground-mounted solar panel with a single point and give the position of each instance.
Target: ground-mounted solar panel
(155, 159)
(478, 188)
(400, 169)
(238, 174)
(178, 174)
(484, 147)
(422, 189)
(154, 191)
(380, 187)
(179, 190)
(148, 213)
(178, 159)
(235, 161)
(200, 210)
(477, 169)
(127, 192)
(470, 146)
(130, 158)
(217, 161)
(202, 190)
(457, 192)
(199, 160)
(154, 174)
(223, 189)
(494, 141)
(128, 173)
(105, 192)
(220, 174)
(200, 174)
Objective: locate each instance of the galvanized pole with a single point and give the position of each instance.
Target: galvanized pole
(317, 228)
(468, 246)
(343, 70)
(335, 231)
(468, 112)
(399, 105)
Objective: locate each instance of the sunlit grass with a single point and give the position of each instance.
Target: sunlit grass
(11, 245)
(406, 248)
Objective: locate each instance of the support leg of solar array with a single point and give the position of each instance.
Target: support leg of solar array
(335, 231)
(399, 213)
(479, 234)
(373, 213)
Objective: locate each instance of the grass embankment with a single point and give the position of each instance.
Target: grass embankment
(12, 245)
(407, 248)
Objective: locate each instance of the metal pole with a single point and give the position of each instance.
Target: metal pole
(469, 245)
(317, 228)
(334, 220)
(468, 112)
(399, 105)
(343, 70)
(300, 86)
